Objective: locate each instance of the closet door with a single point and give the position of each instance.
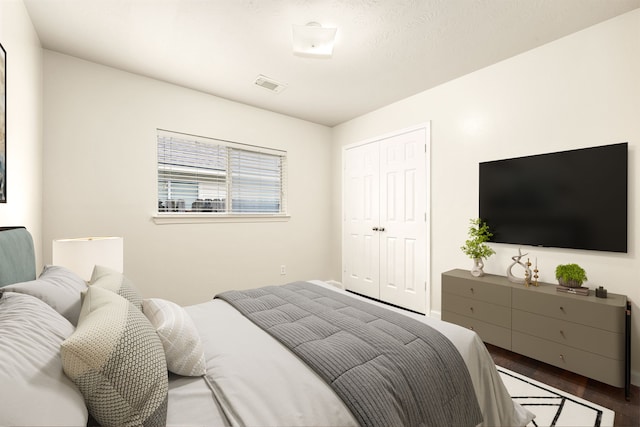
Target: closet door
(385, 220)
(403, 195)
(361, 242)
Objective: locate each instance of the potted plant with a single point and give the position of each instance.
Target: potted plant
(570, 275)
(476, 246)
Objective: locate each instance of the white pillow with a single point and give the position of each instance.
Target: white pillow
(179, 336)
(34, 391)
(116, 359)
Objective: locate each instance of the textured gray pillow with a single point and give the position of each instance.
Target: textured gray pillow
(58, 287)
(115, 281)
(34, 391)
(117, 361)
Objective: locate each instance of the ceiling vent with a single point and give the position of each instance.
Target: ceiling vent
(269, 84)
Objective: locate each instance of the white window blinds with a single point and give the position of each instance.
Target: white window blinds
(197, 174)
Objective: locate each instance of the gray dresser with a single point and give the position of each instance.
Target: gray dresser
(582, 334)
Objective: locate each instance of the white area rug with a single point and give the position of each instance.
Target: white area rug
(554, 407)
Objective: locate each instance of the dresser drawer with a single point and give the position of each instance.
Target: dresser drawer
(570, 308)
(590, 365)
(598, 341)
(480, 310)
(488, 332)
(477, 288)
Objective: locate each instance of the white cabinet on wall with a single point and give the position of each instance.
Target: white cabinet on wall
(385, 221)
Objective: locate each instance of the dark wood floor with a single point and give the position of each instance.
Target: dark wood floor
(627, 412)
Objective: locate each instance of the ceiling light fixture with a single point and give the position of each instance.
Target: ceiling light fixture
(313, 40)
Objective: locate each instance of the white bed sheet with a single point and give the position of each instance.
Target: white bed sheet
(258, 382)
(192, 403)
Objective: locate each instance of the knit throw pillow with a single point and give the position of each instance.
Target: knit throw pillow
(115, 281)
(117, 361)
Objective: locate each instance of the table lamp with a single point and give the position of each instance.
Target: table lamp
(80, 255)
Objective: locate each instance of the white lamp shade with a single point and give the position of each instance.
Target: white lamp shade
(81, 255)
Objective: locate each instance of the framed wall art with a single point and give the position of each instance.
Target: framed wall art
(3, 125)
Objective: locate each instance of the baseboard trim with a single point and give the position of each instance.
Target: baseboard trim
(335, 283)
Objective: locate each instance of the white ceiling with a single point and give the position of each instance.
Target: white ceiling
(386, 50)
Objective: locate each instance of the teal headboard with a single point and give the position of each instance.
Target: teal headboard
(17, 256)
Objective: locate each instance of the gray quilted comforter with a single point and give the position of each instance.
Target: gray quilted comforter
(389, 369)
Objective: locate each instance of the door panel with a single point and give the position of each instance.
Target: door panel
(403, 271)
(362, 212)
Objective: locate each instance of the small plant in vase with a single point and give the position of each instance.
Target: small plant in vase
(476, 246)
(570, 275)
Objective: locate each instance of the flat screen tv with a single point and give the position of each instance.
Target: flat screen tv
(571, 199)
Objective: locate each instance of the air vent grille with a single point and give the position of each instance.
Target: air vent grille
(269, 84)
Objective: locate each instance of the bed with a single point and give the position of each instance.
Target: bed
(74, 353)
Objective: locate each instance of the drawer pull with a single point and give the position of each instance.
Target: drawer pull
(562, 357)
(562, 333)
(471, 327)
(471, 308)
(471, 289)
(562, 308)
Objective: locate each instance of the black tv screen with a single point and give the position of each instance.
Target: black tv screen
(571, 199)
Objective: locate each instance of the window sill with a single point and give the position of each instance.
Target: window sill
(198, 218)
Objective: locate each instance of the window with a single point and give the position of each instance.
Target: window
(207, 175)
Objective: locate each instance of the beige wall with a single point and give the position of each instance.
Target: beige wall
(580, 91)
(24, 121)
(100, 179)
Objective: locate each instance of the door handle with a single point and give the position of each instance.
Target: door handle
(375, 229)
(381, 228)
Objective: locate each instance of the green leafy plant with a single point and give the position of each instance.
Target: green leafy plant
(476, 247)
(570, 275)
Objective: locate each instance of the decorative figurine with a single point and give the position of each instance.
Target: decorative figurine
(527, 273)
(516, 260)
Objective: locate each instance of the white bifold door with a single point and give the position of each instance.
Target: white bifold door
(385, 233)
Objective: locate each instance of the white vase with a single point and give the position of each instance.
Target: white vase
(478, 265)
